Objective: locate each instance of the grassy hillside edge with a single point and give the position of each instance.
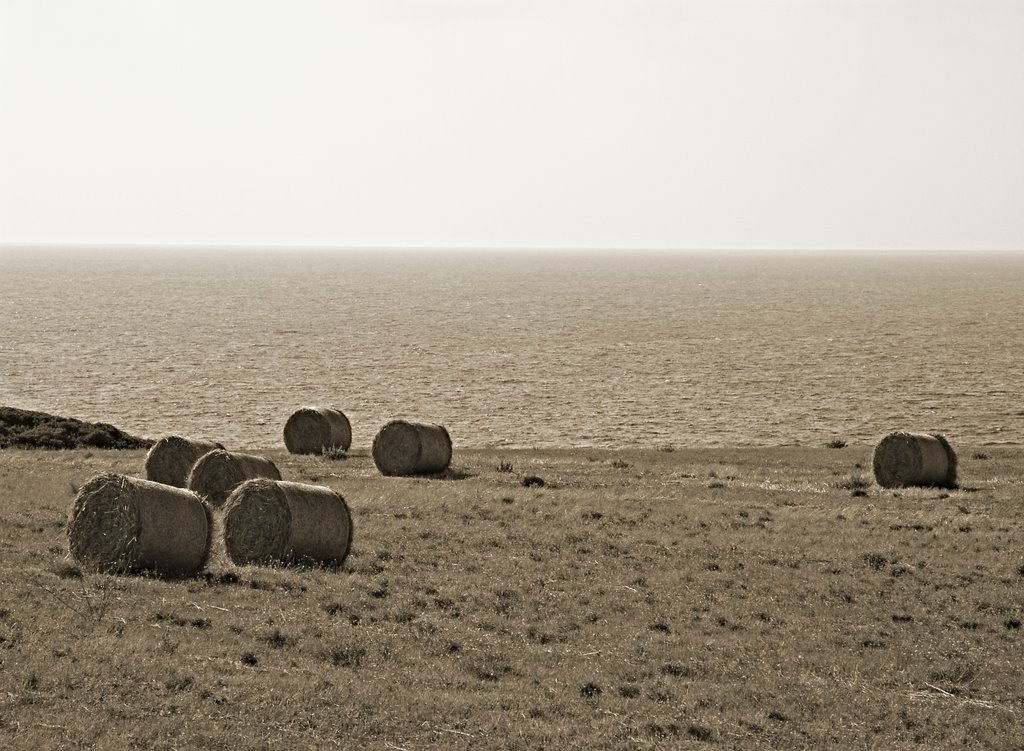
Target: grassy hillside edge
(23, 428)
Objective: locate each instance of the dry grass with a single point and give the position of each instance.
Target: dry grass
(614, 607)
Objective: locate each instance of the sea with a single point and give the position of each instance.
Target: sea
(517, 349)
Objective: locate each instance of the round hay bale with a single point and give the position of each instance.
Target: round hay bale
(902, 459)
(267, 521)
(171, 458)
(412, 448)
(315, 430)
(123, 525)
(219, 472)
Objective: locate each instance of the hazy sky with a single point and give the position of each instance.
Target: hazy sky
(581, 123)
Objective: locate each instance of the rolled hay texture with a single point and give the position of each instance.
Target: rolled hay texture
(267, 521)
(314, 430)
(411, 448)
(122, 525)
(902, 460)
(219, 472)
(171, 458)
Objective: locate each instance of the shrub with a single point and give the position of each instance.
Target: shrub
(855, 483)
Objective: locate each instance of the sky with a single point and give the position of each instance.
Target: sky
(689, 124)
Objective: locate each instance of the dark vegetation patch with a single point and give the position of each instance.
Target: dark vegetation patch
(226, 577)
(677, 671)
(346, 656)
(877, 561)
(178, 684)
(22, 428)
(854, 483)
(700, 733)
(67, 570)
(278, 640)
(488, 667)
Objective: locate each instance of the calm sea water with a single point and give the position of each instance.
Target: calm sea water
(521, 349)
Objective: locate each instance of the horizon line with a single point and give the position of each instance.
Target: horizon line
(470, 248)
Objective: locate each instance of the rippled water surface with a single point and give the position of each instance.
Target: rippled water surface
(524, 349)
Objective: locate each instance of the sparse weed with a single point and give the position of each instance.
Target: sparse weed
(278, 640)
(877, 561)
(67, 570)
(854, 483)
(346, 656)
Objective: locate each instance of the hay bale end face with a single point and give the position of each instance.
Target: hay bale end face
(219, 472)
(121, 524)
(903, 460)
(267, 521)
(171, 458)
(315, 430)
(410, 448)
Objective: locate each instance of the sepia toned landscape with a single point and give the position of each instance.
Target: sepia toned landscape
(405, 375)
(660, 527)
(630, 599)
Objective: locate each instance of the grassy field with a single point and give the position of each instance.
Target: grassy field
(729, 598)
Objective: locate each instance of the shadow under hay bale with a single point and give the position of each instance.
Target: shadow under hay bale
(316, 430)
(903, 460)
(219, 472)
(121, 524)
(267, 521)
(410, 448)
(171, 459)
